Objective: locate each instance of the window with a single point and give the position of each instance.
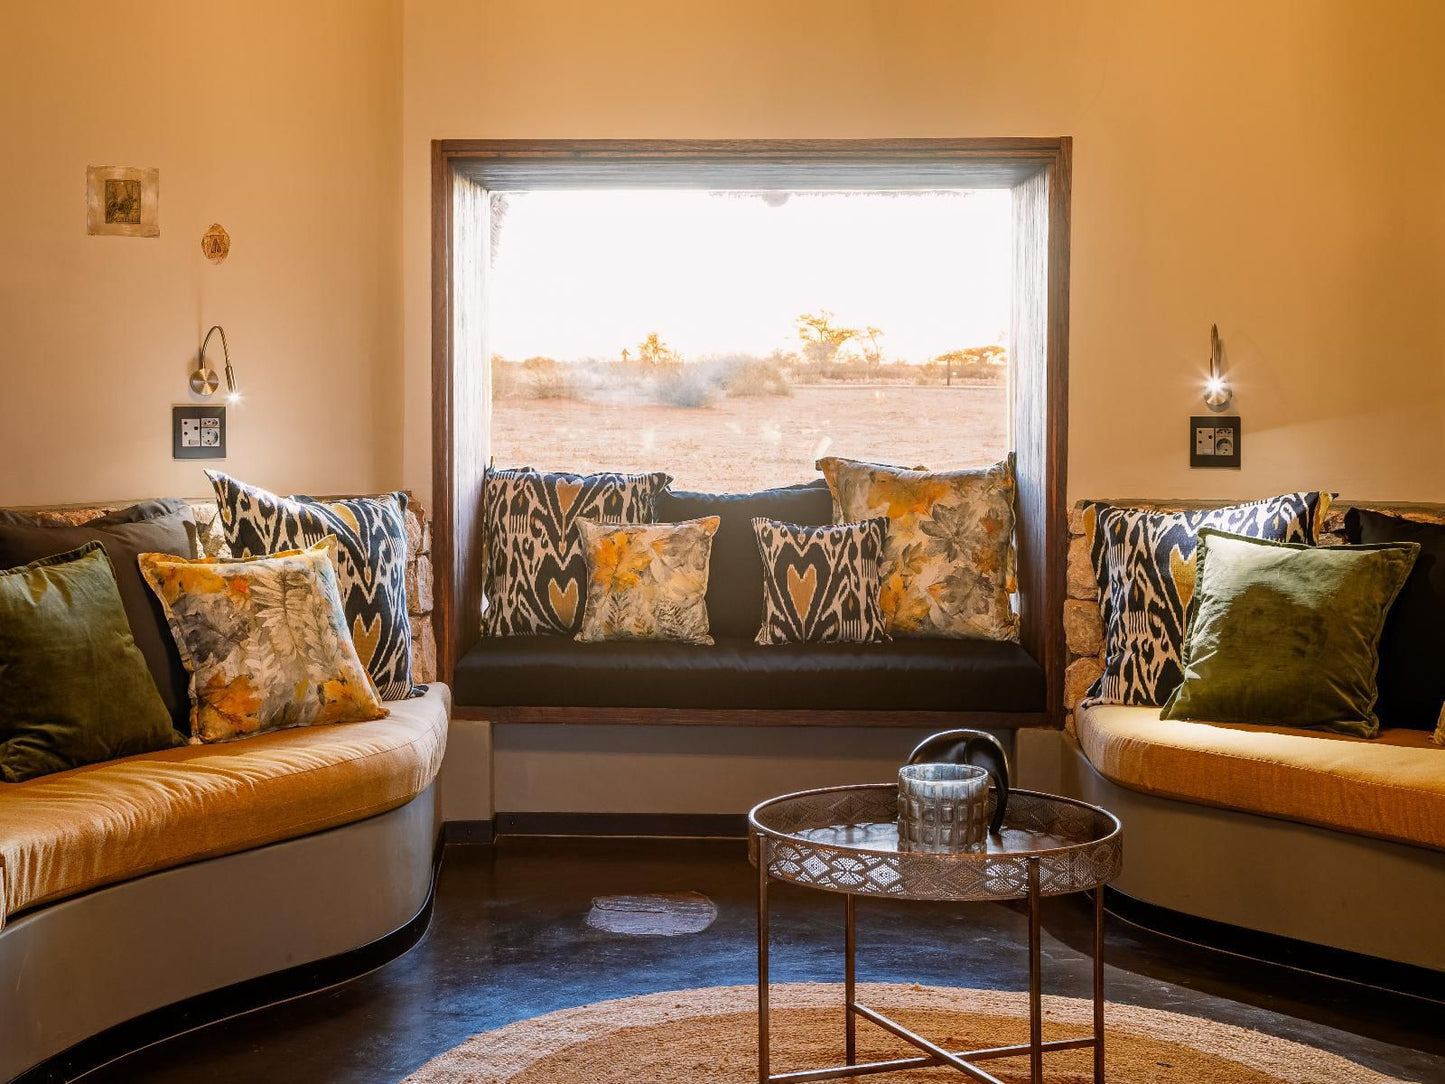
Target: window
(734, 337)
(1032, 174)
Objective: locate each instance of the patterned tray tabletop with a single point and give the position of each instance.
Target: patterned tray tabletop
(845, 839)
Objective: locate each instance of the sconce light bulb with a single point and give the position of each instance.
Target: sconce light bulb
(1217, 394)
(234, 398)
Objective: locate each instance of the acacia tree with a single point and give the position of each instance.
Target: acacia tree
(978, 362)
(873, 353)
(654, 352)
(822, 338)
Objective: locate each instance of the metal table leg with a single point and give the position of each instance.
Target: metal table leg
(933, 1055)
(1099, 985)
(763, 1069)
(850, 949)
(1036, 1021)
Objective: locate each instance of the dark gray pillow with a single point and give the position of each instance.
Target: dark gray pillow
(1412, 650)
(160, 526)
(735, 580)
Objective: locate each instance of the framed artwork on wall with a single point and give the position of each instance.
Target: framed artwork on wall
(122, 201)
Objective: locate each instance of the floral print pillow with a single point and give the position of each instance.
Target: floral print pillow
(265, 641)
(948, 561)
(647, 581)
(536, 570)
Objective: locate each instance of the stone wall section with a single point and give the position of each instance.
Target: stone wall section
(211, 542)
(1083, 623)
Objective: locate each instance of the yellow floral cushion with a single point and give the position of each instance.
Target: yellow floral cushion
(948, 562)
(647, 581)
(264, 640)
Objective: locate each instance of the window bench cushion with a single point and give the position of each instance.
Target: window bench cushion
(65, 833)
(905, 675)
(1392, 787)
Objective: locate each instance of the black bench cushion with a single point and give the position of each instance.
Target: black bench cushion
(904, 675)
(735, 579)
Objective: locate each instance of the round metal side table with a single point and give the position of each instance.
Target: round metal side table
(845, 840)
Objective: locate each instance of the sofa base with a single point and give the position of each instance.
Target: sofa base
(1272, 876)
(1304, 956)
(184, 947)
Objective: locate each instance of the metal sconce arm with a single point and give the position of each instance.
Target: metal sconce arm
(1217, 392)
(203, 380)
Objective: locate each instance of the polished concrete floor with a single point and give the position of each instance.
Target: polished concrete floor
(509, 940)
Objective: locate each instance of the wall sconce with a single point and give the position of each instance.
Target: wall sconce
(1217, 392)
(204, 381)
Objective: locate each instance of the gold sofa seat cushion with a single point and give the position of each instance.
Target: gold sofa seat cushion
(1392, 787)
(63, 834)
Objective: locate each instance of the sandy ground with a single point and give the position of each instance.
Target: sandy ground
(751, 443)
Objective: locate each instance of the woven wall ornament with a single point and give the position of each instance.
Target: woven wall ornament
(216, 243)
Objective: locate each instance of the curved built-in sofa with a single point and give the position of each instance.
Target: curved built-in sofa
(143, 896)
(1297, 834)
(141, 883)
(1322, 838)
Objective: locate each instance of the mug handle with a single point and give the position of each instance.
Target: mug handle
(976, 747)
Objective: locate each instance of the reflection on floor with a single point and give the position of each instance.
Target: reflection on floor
(510, 940)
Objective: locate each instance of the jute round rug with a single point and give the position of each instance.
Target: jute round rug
(710, 1035)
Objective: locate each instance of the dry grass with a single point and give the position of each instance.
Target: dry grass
(750, 443)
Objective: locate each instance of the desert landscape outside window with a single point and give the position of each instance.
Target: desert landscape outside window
(732, 338)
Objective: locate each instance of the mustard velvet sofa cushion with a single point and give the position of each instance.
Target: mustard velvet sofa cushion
(63, 834)
(1391, 787)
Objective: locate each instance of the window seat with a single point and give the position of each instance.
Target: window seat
(1000, 683)
(1391, 787)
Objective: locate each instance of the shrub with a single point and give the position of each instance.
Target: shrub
(506, 379)
(549, 379)
(930, 372)
(689, 387)
(747, 374)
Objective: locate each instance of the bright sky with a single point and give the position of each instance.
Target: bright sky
(587, 273)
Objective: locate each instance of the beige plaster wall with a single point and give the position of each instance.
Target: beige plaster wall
(1270, 166)
(1273, 166)
(279, 120)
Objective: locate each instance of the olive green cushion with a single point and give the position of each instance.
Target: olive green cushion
(1282, 634)
(74, 688)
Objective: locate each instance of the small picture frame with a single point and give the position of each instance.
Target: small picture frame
(122, 201)
(1214, 441)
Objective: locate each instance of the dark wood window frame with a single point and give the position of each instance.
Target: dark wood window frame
(1038, 171)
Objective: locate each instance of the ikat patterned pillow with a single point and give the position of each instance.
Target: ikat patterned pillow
(370, 563)
(948, 560)
(647, 582)
(1144, 566)
(821, 584)
(265, 641)
(536, 569)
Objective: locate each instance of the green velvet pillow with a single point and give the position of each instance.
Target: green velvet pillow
(74, 688)
(1283, 634)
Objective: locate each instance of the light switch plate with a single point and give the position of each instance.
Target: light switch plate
(1214, 440)
(198, 432)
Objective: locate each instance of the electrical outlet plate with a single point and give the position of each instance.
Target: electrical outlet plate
(198, 432)
(1214, 441)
